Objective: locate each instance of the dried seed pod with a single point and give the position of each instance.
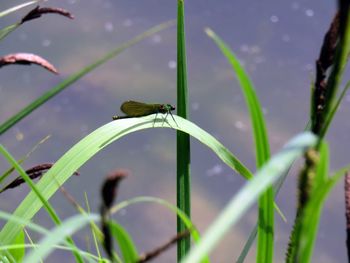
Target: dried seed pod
(109, 188)
(38, 12)
(109, 194)
(33, 173)
(26, 59)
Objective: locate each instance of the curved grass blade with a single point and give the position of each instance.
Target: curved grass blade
(18, 7)
(57, 235)
(7, 30)
(240, 203)
(262, 149)
(34, 227)
(185, 219)
(39, 195)
(20, 161)
(125, 242)
(95, 142)
(312, 213)
(18, 254)
(183, 150)
(73, 78)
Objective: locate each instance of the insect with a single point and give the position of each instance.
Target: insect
(138, 109)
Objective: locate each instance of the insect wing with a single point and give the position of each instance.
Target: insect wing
(137, 109)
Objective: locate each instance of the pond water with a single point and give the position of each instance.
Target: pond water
(277, 41)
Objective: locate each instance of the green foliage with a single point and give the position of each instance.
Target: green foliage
(57, 235)
(262, 149)
(240, 203)
(95, 142)
(38, 194)
(185, 219)
(17, 7)
(125, 242)
(258, 188)
(183, 153)
(18, 253)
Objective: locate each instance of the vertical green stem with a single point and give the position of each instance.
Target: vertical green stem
(183, 140)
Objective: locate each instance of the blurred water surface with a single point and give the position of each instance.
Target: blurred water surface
(277, 41)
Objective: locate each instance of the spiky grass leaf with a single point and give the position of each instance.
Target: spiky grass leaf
(183, 152)
(313, 211)
(146, 199)
(17, 7)
(38, 194)
(125, 242)
(262, 149)
(240, 203)
(57, 235)
(95, 142)
(19, 252)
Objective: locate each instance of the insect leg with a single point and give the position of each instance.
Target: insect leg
(165, 118)
(154, 122)
(173, 118)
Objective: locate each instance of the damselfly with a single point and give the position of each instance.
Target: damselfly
(139, 109)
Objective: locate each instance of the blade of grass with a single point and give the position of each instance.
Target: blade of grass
(34, 227)
(39, 195)
(73, 78)
(18, 7)
(240, 203)
(183, 175)
(125, 242)
(7, 30)
(313, 211)
(18, 253)
(57, 235)
(262, 150)
(20, 161)
(95, 142)
(30, 241)
(144, 199)
(95, 231)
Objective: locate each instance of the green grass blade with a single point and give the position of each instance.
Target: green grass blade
(7, 30)
(20, 161)
(95, 142)
(57, 235)
(36, 228)
(26, 178)
(95, 231)
(312, 215)
(73, 78)
(262, 149)
(240, 203)
(17, 7)
(252, 101)
(183, 153)
(186, 220)
(125, 242)
(18, 253)
(248, 244)
(38, 194)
